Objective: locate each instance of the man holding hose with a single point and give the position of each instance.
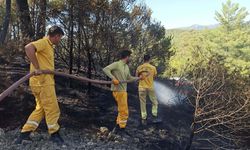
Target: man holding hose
(119, 71)
(41, 56)
(146, 87)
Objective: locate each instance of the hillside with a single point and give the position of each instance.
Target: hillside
(87, 121)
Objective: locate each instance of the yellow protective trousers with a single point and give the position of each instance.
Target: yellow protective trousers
(121, 98)
(46, 106)
(143, 92)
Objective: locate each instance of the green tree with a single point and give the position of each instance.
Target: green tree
(231, 16)
(189, 49)
(231, 41)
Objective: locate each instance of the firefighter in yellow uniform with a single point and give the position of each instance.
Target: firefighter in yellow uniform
(146, 87)
(119, 71)
(41, 56)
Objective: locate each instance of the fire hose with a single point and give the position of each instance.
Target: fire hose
(29, 75)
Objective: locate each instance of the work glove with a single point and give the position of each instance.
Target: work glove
(142, 77)
(115, 81)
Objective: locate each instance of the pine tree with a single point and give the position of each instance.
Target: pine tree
(230, 42)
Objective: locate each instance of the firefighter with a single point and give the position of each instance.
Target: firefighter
(146, 88)
(119, 71)
(41, 56)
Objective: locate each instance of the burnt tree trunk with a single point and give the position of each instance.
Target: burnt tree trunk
(71, 34)
(191, 136)
(6, 22)
(41, 20)
(25, 20)
(89, 70)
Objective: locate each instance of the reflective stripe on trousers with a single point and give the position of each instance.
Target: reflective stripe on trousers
(122, 104)
(32, 123)
(143, 92)
(46, 106)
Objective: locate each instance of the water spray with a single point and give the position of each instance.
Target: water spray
(166, 95)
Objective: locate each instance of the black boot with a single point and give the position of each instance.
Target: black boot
(115, 129)
(144, 122)
(24, 136)
(123, 133)
(156, 119)
(56, 138)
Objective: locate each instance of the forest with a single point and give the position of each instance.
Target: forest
(209, 67)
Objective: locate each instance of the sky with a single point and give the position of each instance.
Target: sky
(185, 13)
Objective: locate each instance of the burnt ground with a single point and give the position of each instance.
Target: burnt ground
(86, 121)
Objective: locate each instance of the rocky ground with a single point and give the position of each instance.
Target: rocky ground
(87, 121)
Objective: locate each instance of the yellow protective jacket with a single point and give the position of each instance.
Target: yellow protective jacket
(45, 57)
(143, 70)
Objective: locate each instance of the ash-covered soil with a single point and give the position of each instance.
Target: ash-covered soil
(87, 121)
